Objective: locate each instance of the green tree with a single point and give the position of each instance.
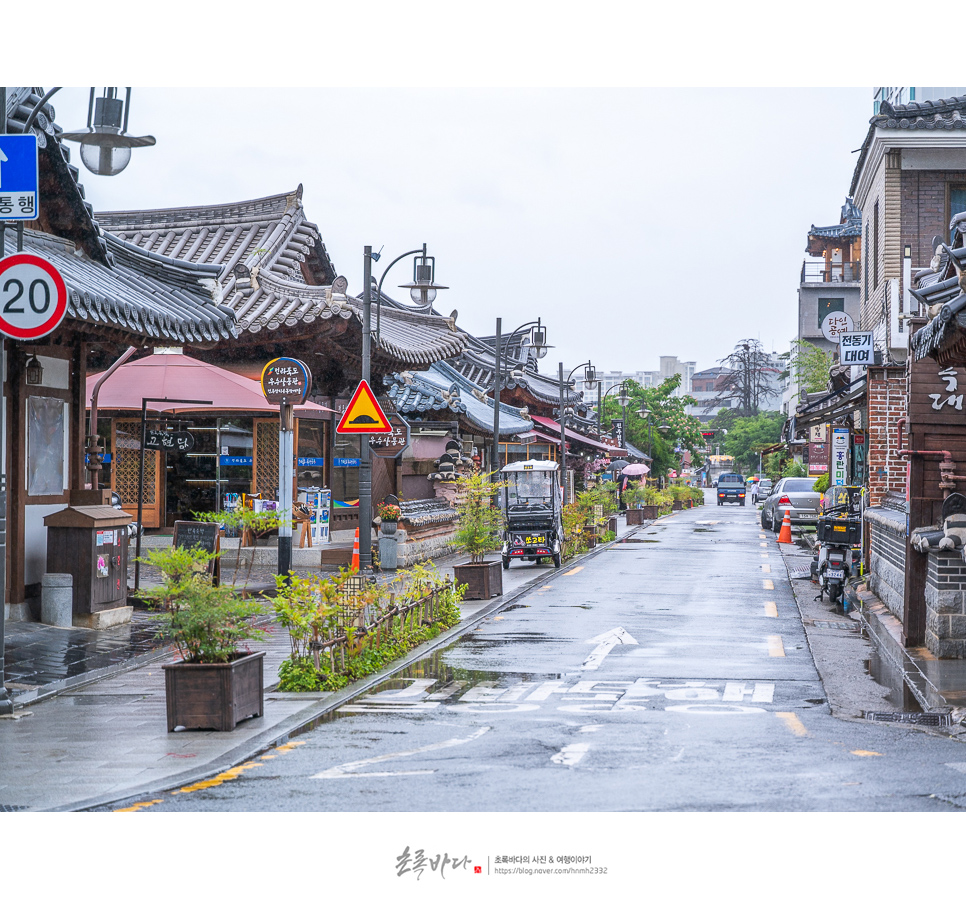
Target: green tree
(810, 365)
(664, 409)
(749, 435)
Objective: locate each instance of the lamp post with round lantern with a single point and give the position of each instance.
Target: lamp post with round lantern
(423, 292)
(590, 381)
(538, 341)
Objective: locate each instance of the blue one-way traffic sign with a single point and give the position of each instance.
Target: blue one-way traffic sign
(19, 177)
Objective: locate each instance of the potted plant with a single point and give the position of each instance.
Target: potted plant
(478, 532)
(219, 681)
(389, 514)
(634, 497)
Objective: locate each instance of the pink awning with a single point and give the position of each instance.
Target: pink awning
(554, 426)
(176, 376)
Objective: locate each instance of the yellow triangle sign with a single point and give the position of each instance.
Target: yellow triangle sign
(364, 415)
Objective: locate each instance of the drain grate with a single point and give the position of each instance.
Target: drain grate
(802, 571)
(13, 808)
(934, 719)
(834, 624)
(513, 607)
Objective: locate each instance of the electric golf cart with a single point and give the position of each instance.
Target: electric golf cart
(531, 501)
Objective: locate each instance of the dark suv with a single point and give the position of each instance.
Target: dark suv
(731, 488)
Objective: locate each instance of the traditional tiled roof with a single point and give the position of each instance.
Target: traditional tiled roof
(943, 293)
(940, 115)
(441, 388)
(63, 211)
(477, 364)
(277, 274)
(153, 301)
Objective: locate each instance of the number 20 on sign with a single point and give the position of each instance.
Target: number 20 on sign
(33, 297)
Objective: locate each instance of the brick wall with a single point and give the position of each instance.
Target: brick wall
(887, 557)
(946, 605)
(924, 208)
(886, 405)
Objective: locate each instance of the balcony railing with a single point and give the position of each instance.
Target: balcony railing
(817, 273)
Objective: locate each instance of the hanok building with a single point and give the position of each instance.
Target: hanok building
(277, 278)
(910, 186)
(118, 296)
(524, 387)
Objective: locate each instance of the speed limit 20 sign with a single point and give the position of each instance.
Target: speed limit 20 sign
(33, 297)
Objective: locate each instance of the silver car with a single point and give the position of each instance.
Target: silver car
(794, 495)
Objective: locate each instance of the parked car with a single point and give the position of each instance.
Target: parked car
(764, 487)
(794, 495)
(731, 488)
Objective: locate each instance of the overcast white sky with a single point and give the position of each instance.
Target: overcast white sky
(635, 222)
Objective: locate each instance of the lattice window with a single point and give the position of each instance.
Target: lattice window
(266, 457)
(126, 460)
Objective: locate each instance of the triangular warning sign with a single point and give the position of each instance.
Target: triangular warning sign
(364, 415)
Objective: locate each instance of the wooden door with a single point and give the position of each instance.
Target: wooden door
(265, 458)
(125, 462)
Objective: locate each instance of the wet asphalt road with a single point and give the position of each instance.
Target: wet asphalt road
(668, 673)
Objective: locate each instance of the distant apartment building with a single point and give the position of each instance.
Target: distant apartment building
(669, 366)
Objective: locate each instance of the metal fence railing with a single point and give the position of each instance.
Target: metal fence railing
(818, 272)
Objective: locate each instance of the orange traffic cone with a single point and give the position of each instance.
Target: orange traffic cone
(786, 532)
(354, 565)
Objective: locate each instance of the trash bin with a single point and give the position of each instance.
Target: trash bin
(57, 599)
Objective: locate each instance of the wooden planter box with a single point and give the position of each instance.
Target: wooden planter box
(635, 516)
(591, 537)
(483, 580)
(678, 505)
(651, 512)
(214, 696)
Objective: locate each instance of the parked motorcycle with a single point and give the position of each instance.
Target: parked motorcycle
(839, 532)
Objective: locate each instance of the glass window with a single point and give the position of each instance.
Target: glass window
(957, 204)
(828, 305)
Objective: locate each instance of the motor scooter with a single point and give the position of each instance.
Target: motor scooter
(839, 530)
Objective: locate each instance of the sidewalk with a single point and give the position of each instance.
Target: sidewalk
(909, 679)
(89, 725)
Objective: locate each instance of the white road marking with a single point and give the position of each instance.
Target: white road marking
(594, 728)
(605, 643)
(957, 766)
(570, 754)
(346, 770)
(735, 692)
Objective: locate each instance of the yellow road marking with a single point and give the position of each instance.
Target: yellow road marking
(768, 584)
(771, 609)
(235, 772)
(574, 571)
(866, 753)
(766, 568)
(776, 648)
(793, 723)
(137, 806)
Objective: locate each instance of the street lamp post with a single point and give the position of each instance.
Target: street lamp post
(423, 292)
(590, 380)
(538, 340)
